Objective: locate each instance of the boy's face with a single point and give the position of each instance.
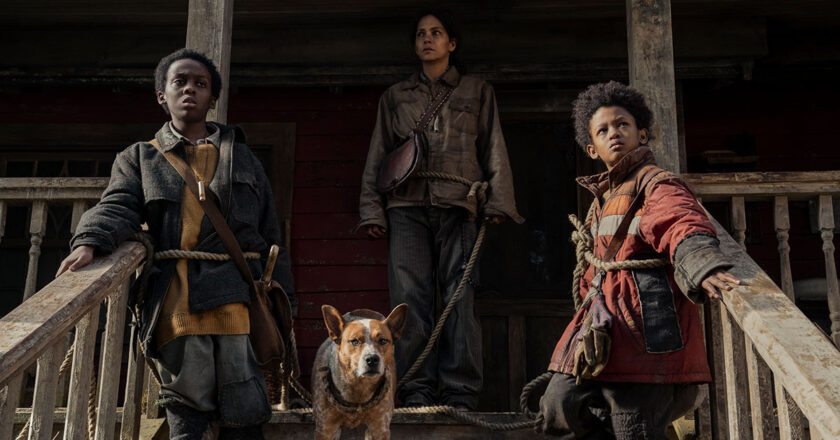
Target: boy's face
(187, 93)
(431, 42)
(614, 134)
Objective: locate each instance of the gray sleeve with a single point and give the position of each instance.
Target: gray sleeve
(371, 203)
(695, 257)
(118, 214)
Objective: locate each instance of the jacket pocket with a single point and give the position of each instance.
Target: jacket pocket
(659, 313)
(632, 323)
(246, 211)
(464, 115)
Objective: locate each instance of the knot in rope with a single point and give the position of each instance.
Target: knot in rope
(584, 245)
(478, 189)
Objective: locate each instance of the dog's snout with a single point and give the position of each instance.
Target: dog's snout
(372, 360)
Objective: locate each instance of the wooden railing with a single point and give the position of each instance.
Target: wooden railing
(761, 346)
(36, 331)
(780, 188)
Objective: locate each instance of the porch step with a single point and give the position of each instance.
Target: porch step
(287, 425)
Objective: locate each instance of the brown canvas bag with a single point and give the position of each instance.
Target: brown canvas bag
(269, 312)
(401, 162)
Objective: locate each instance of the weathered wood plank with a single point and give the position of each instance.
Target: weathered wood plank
(801, 358)
(739, 221)
(153, 410)
(826, 222)
(799, 185)
(52, 188)
(717, 389)
(9, 396)
(79, 208)
(28, 329)
(789, 416)
(37, 228)
(761, 395)
(735, 368)
(109, 364)
(517, 368)
(130, 426)
(80, 375)
(209, 31)
(781, 221)
(650, 51)
(43, 401)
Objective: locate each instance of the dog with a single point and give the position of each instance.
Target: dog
(354, 374)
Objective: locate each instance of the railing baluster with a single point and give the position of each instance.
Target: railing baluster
(739, 221)
(43, 401)
(781, 222)
(153, 410)
(79, 208)
(9, 396)
(133, 389)
(717, 390)
(791, 426)
(761, 394)
(826, 222)
(80, 374)
(109, 368)
(737, 396)
(37, 227)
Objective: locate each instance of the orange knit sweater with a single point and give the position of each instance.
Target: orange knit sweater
(175, 318)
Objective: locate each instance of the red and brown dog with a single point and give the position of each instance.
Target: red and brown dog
(354, 374)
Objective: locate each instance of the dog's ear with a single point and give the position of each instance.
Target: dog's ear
(396, 320)
(334, 322)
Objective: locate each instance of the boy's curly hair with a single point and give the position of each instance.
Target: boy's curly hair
(180, 54)
(608, 95)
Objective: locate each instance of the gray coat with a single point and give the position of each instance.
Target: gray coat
(144, 188)
(466, 141)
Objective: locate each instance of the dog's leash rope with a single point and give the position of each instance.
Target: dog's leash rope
(477, 193)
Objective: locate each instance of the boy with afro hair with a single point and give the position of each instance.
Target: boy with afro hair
(633, 357)
(194, 319)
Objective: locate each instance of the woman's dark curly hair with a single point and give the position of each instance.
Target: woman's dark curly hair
(450, 24)
(180, 54)
(608, 95)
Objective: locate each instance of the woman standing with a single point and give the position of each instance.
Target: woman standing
(430, 223)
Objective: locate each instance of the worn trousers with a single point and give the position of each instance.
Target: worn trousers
(430, 246)
(613, 410)
(207, 377)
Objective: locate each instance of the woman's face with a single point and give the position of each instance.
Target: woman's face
(431, 42)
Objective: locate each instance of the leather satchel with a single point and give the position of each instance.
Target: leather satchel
(269, 310)
(400, 163)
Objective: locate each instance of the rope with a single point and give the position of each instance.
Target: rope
(584, 243)
(176, 254)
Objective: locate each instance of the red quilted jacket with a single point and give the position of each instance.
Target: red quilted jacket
(656, 337)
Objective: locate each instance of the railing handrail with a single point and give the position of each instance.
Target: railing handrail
(52, 188)
(31, 328)
(800, 356)
(795, 184)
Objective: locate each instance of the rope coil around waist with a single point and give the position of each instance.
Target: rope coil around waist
(585, 243)
(478, 189)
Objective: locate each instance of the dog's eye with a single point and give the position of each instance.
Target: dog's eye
(355, 342)
(383, 341)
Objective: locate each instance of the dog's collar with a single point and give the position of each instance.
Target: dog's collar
(343, 405)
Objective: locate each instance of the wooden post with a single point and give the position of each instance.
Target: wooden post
(209, 29)
(75, 425)
(109, 368)
(43, 400)
(650, 51)
(781, 220)
(37, 227)
(826, 222)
